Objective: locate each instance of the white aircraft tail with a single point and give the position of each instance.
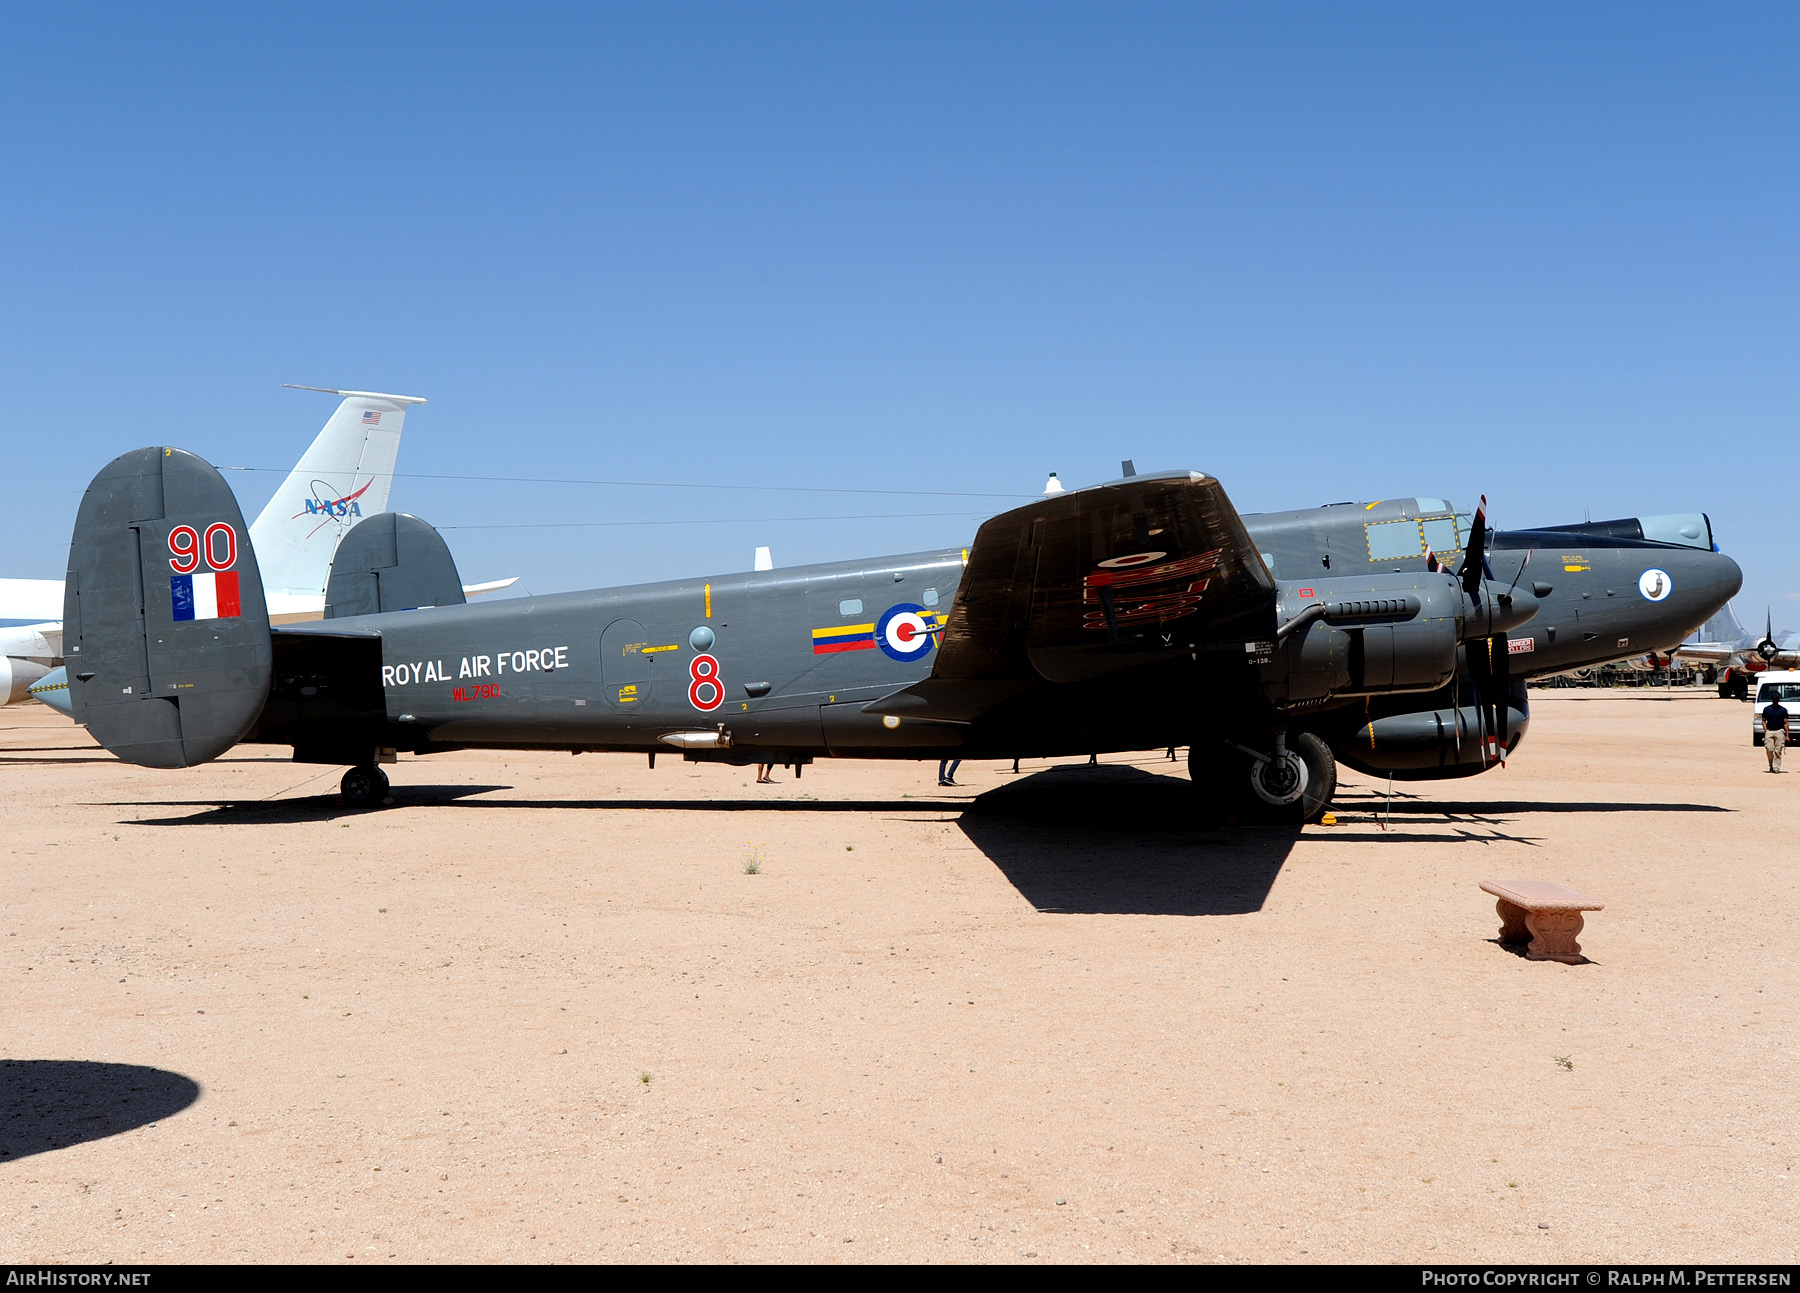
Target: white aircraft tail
(1723, 627)
(344, 476)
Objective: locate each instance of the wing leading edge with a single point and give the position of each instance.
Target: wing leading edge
(1079, 585)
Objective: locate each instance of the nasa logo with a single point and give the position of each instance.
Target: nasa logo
(905, 632)
(1655, 584)
(327, 507)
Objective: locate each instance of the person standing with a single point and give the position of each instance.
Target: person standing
(947, 771)
(1775, 732)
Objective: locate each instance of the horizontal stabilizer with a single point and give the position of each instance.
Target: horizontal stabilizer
(491, 586)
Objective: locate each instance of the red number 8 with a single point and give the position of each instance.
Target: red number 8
(184, 549)
(704, 670)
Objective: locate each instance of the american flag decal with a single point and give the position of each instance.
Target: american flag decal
(372, 418)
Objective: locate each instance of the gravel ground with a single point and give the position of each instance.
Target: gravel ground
(545, 1009)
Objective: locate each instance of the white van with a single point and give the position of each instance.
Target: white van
(1782, 685)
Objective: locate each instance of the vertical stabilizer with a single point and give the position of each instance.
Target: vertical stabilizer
(344, 476)
(1723, 627)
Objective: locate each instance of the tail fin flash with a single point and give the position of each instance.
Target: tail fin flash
(344, 476)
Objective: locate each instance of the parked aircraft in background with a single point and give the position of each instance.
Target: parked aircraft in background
(1735, 654)
(1138, 614)
(343, 476)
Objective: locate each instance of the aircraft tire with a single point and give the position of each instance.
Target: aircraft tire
(364, 787)
(1221, 777)
(1321, 781)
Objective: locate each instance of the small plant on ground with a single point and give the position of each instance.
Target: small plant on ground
(1563, 1062)
(753, 864)
(645, 1077)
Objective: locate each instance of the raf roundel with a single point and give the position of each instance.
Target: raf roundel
(1655, 584)
(904, 632)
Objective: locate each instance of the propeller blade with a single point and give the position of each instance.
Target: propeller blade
(1475, 553)
(1480, 673)
(1499, 647)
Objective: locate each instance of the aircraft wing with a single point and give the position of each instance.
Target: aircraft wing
(1706, 652)
(1083, 584)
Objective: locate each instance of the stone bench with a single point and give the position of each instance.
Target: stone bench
(1547, 914)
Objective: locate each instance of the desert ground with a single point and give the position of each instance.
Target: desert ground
(543, 1008)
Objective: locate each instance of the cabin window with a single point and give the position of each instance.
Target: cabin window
(1441, 534)
(850, 606)
(1391, 539)
(930, 598)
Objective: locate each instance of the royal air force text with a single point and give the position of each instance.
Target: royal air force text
(536, 660)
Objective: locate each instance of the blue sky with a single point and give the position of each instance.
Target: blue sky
(1323, 252)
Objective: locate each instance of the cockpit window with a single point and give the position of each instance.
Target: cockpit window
(1442, 534)
(1389, 540)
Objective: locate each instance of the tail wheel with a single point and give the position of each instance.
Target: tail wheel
(364, 787)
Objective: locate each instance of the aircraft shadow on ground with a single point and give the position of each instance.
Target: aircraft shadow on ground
(311, 808)
(52, 1104)
(1118, 840)
(1490, 807)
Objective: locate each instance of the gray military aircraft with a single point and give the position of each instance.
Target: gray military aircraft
(1137, 614)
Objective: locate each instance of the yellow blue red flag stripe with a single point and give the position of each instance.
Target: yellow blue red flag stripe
(843, 637)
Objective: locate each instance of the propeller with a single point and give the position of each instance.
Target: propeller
(1489, 657)
(1767, 648)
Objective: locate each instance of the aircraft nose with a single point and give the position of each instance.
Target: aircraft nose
(53, 690)
(1723, 577)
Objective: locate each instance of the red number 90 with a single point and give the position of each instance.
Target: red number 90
(705, 692)
(184, 549)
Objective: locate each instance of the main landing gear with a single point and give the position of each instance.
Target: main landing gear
(364, 787)
(1289, 784)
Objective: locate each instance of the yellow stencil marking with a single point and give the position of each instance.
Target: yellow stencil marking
(709, 601)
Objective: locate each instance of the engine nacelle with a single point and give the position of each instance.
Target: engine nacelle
(16, 677)
(1433, 743)
(1382, 633)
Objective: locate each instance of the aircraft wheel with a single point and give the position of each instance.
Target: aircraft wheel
(1228, 783)
(1298, 789)
(364, 787)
